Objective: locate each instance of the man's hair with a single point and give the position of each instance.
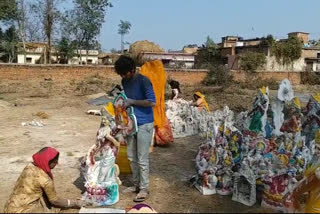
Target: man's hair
(124, 65)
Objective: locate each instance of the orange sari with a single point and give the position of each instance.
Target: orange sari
(155, 72)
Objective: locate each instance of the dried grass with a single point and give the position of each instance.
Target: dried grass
(257, 82)
(42, 115)
(310, 78)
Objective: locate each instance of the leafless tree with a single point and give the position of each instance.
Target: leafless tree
(33, 28)
(48, 14)
(21, 23)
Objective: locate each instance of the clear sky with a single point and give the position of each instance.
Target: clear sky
(175, 23)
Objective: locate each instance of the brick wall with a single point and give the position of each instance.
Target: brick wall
(294, 77)
(187, 77)
(309, 53)
(55, 72)
(66, 72)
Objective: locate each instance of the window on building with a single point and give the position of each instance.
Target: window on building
(89, 61)
(29, 59)
(318, 55)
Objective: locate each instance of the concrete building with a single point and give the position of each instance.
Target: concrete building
(35, 51)
(301, 35)
(190, 49)
(108, 58)
(230, 41)
(172, 60)
(232, 47)
(81, 55)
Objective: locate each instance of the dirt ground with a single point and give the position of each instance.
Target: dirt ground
(72, 132)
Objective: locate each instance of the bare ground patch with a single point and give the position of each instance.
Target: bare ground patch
(72, 132)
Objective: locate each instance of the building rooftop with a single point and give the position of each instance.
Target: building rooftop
(298, 32)
(239, 37)
(311, 48)
(171, 53)
(103, 55)
(314, 59)
(34, 44)
(247, 40)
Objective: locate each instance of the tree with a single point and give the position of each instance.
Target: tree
(210, 43)
(13, 11)
(7, 10)
(33, 24)
(66, 50)
(209, 54)
(267, 41)
(251, 61)
(209, 57)
(287, 52)
(124, 28)
(217, 75)
(8, 44)
(2, 51)
(27, 26)
(21, 24)
(85, 22)
(190, 46)
(114, 51)
(49, 15)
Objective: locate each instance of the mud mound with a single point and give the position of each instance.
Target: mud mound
(144, 46)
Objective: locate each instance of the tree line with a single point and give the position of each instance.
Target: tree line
(68, 30)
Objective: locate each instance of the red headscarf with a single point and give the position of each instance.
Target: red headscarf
(41, 159)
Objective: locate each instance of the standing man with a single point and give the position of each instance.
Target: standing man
(139, 91)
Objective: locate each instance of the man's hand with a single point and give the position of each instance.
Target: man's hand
(78, 203)
(143, 103)
(129, 102)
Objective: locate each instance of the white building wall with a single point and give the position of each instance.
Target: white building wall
(189, 64)
(93, 58)
(20, 59)
(76, 60)
(73, 61)
(34, 58)
(239, 44)
(273, 65)
(93, 55)
(316, 66)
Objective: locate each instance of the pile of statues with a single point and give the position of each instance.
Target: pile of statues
(267, 149)
(187, 120)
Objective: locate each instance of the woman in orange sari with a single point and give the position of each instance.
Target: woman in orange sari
(200, 101)
(34, 190)
(154, 70)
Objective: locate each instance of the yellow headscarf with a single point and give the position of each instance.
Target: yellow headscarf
(204, 100)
